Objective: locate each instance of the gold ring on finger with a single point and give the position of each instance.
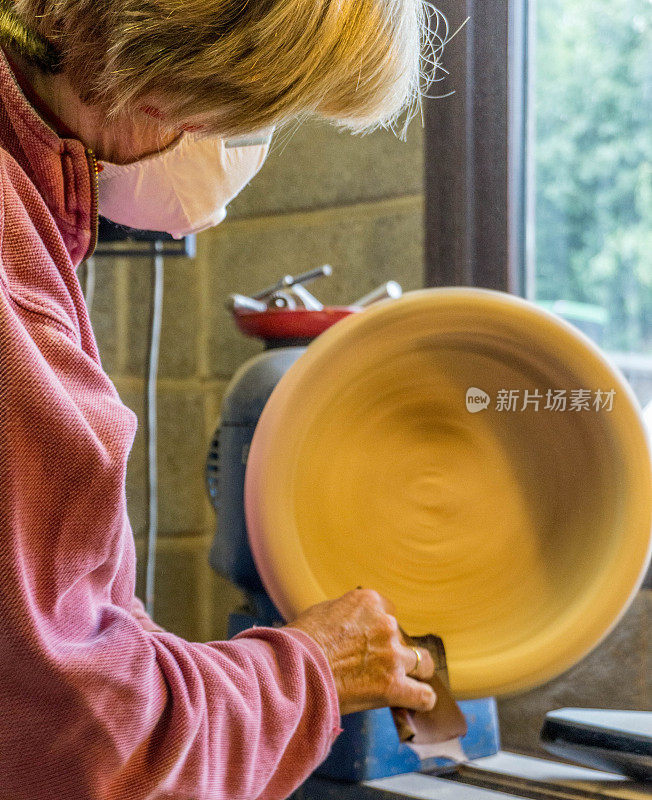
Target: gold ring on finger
(417, 653)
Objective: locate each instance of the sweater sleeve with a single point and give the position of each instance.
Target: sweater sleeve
(247, 718)
(97, 702)
(283, 783)
(116, 708)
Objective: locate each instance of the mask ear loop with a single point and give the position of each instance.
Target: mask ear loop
(111, 169)
(252, 140)
(156, 113)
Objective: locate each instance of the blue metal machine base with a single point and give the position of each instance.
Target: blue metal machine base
(369, 746)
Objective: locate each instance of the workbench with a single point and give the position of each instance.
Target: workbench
(504, 776)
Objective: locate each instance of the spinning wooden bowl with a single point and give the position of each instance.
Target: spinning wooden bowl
(518, 534)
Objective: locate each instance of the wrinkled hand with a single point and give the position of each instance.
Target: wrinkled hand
(370, 662)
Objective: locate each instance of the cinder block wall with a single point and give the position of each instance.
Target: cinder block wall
(322, 197)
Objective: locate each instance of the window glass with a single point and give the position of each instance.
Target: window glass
(590, 151)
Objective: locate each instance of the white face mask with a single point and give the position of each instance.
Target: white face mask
(181, 190)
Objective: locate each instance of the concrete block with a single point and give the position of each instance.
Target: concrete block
(366, 246)
(104, 312)
(136, 480)
(317, 165)
(614, 675)
(183, 506)
(181, 318)
(190, 600)
(182, 457)
(224, 599)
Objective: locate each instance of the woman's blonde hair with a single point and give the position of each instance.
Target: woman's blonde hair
(238, 66)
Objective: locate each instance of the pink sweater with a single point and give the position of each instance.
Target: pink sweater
(95, 700)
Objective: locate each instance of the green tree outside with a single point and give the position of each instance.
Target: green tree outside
(593, 162)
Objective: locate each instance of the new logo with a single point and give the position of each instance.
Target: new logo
(476, 399)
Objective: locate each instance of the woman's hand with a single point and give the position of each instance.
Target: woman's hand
(371, 664)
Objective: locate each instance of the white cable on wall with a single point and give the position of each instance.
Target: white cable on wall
(154, 338)
(89, 281)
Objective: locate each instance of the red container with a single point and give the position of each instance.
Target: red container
(279, 324)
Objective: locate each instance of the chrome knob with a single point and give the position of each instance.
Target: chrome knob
(389, 289)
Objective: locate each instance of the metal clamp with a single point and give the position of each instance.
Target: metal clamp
(290, 292)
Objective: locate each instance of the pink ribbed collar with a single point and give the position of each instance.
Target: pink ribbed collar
(59, 168)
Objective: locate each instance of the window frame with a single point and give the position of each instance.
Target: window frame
(474, 150)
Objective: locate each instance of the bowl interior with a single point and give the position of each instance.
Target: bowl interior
(503, 531)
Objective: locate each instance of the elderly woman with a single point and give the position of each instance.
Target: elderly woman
(97, 701)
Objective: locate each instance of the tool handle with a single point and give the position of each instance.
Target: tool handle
(288, 281)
